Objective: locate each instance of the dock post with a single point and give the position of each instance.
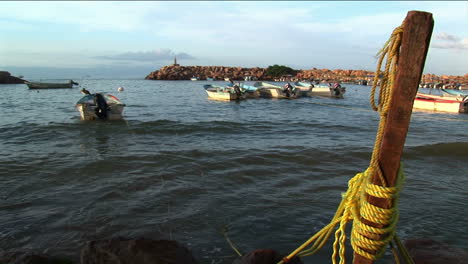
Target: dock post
(417, 31)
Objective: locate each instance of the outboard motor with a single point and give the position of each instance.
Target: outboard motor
(337, 91)
(237, 91)
(101, 106)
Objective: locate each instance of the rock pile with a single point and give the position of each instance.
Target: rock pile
(6, 78)
(174, 72)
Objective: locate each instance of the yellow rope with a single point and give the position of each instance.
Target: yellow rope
(354, 206)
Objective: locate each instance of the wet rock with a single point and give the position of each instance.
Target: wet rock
(264, 256)
(29, 258)
(135, 251)
(428, 251)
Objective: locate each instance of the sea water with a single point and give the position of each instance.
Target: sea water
(181, 166)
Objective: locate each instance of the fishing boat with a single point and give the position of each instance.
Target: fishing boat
(42, 85)
(268, 90)
(248, 91)
(320, 90)
(441, 103)
(305, 89)
(453, 93)
(100, 106)
(223, 93)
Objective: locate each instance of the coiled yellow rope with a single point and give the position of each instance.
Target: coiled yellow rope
(354, 206)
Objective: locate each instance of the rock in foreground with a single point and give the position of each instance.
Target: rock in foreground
(428, 251)
(132, 251)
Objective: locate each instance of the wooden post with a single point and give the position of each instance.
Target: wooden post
(417, 31)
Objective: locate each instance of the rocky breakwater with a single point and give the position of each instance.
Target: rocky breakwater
(175, 72)
(6, 78)
(338, 74)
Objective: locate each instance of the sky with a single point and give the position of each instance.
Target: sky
(98, 39)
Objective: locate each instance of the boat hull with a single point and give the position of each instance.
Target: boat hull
(32, 85)
(327, 92)
(88, 112)
(249, 94)
(440, 104)
(223, 95)
(304, 91)
(267, 90)
(276, 93)
(319, 90)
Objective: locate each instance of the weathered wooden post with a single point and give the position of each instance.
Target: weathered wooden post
(417, 31)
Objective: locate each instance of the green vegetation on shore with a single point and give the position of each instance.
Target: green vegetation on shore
(280, 70)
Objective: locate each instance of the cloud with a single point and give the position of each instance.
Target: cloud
(450, 42)
(147, 56)
(463, 44)
(445, 36)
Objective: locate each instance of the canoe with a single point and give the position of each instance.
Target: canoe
(42, 85)
(268, 90)
(100, 106)
(440, 103)
(222, 93)
(320, 90)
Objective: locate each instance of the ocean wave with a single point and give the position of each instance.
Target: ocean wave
(446, 150)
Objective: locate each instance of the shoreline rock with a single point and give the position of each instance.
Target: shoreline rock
(176, 72)
(7, 78)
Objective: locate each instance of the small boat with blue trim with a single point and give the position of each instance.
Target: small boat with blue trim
(453, 93)
(248, 91)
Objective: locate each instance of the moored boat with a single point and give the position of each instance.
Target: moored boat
(248, 91)
(453, 93)
(441, 103)
(321, 90)
(100, 106)
(305, 89)
(223, 93)
(42, 85)
(194, 79)
(268, 90)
